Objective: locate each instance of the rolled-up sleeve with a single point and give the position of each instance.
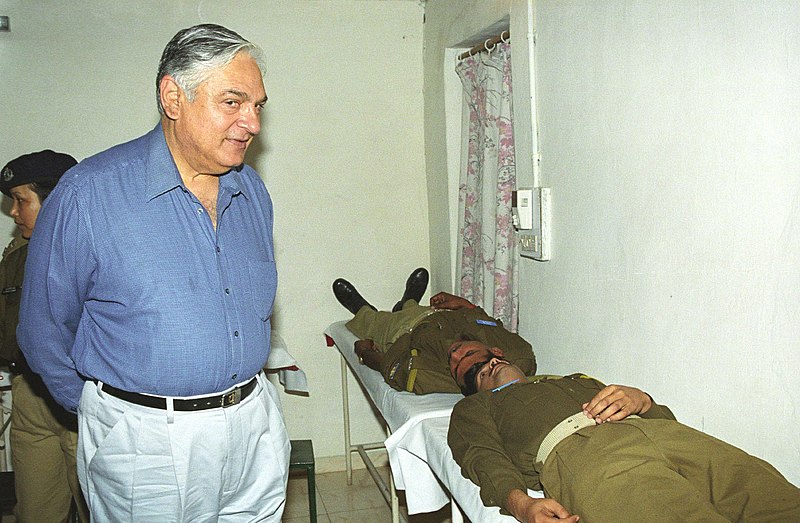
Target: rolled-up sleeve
(58, 273)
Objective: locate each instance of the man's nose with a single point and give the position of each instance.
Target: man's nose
(250, 120)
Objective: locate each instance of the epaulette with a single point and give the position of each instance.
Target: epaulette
(12, 245)
(16, 243)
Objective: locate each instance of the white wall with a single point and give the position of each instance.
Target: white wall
(668, 135)
(341, 148)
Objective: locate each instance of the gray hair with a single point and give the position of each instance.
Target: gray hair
(196, 52)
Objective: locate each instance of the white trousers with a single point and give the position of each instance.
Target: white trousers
(230, 464)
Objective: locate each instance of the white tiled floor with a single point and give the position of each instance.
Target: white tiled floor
(338, 502)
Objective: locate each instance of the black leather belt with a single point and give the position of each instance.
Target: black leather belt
(232, 397)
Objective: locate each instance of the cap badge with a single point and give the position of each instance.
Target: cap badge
(8, 174)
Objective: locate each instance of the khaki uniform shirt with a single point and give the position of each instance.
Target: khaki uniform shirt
(415, 342)
(12, 271)
(495, 436)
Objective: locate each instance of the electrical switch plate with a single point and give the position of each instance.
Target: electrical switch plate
(525, 208)
(534, 242)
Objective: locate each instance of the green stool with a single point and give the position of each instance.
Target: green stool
(302, 457)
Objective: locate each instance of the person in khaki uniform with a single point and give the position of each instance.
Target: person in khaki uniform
(600, 453)
(43, 435)
(409, 346)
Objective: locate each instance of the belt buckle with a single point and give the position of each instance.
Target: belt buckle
(232, 398)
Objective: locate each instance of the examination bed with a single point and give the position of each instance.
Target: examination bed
(416, 425)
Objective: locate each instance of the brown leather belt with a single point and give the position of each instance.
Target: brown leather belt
(232, 397)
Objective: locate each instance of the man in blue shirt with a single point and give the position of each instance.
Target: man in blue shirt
(147, 306)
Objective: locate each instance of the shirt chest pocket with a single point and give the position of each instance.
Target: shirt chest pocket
(263, 283)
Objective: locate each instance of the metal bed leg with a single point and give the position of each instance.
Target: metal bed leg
(395, 501)
(389, 492)
(348, 458)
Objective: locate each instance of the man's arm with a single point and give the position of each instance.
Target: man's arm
(478, 448)
(59, 254)
(444, 300)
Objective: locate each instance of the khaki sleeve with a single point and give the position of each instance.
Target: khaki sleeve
(478, 449)
(657, 411)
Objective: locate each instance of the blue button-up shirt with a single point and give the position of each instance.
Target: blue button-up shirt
(128, 282)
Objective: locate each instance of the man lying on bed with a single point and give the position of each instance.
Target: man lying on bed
(409, 345)
(605, 453)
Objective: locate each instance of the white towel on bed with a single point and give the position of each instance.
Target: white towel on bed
(290, 375)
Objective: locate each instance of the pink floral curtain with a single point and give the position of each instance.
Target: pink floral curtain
(487, 265)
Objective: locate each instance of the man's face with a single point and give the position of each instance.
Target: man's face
(214, 131)
(464, 354)
(495, 373)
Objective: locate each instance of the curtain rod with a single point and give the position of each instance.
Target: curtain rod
(488, 45)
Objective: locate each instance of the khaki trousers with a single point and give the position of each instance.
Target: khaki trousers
(661, 471)
(385, 327)
(43, 446)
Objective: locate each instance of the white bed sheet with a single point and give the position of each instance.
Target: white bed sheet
(420, 458)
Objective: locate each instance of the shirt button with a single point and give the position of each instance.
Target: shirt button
(199, 211)
(218, 249)
(236, 334)
(234, 376)
(227, 291)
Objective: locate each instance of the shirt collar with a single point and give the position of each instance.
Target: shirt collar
(162, 173)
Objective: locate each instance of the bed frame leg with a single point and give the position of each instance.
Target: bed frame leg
(348, 449)
(393, 491)
(390, 493)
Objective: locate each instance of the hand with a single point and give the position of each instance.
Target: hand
(361, 346)
(369, 354)
(534, 510)
(445, 300)
(616, 402)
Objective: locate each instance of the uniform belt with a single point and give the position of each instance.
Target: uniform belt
(232, 397)
(425, 319)
(567, 427)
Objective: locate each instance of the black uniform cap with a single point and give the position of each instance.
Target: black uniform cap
(43, 167)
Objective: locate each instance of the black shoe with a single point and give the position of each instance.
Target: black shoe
(349, 296)
(416, 284)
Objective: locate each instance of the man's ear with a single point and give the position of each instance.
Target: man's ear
(171, 96)
(497, 351)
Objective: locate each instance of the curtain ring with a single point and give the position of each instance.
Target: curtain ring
(504, 37)
(486, 45)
